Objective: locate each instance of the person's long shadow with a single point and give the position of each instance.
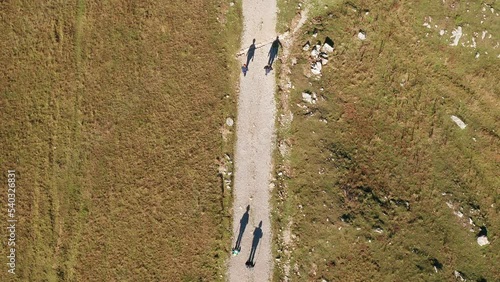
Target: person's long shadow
(273, 52)
(243, 225)
(257, 235)
(251, 53)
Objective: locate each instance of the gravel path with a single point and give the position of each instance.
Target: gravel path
(255, 138)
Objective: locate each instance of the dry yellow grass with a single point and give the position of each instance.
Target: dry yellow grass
(111, 113)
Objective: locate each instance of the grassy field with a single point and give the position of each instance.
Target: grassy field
(111, 115)
(287, 10)
(383, 185)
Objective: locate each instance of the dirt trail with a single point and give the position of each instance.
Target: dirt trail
(255, 138)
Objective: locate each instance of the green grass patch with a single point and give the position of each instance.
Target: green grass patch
(288, 9)
(376, 160)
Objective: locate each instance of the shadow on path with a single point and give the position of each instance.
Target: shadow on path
(251, 53)
(273, 52)
(243, 225)
(257, 235)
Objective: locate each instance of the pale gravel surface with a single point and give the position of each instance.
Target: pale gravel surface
(255, 141)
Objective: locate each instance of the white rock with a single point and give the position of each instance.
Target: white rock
(314, 97)
(324, 61)
(362, 35)
(471, 222)
(477, 55)
(427, 25)
(314, 53)
(441, 32)
(459, 122)
(306, 46)
(483, 34)
(306, 97)
(327, 48)
(482, 240)
(316, 68)
(456, 34)
(231, 4)
(449, 204)
(229, 121)
(458, 275)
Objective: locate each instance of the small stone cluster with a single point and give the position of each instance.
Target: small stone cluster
(319, 54)
(467, 217)
(226, 171)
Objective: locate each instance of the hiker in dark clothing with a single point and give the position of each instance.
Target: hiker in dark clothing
(268, 69)
(243, 225)
(273, 52)
(257, 235)
(244, 69)
(251, 53)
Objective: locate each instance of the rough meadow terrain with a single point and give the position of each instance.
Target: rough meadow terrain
(111, 116)
(378, 179)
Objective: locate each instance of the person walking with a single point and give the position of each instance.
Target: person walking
(268, 69)
(273, 52)
(244, 69)
(251, 52)
(243, 225)
(257, 235)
